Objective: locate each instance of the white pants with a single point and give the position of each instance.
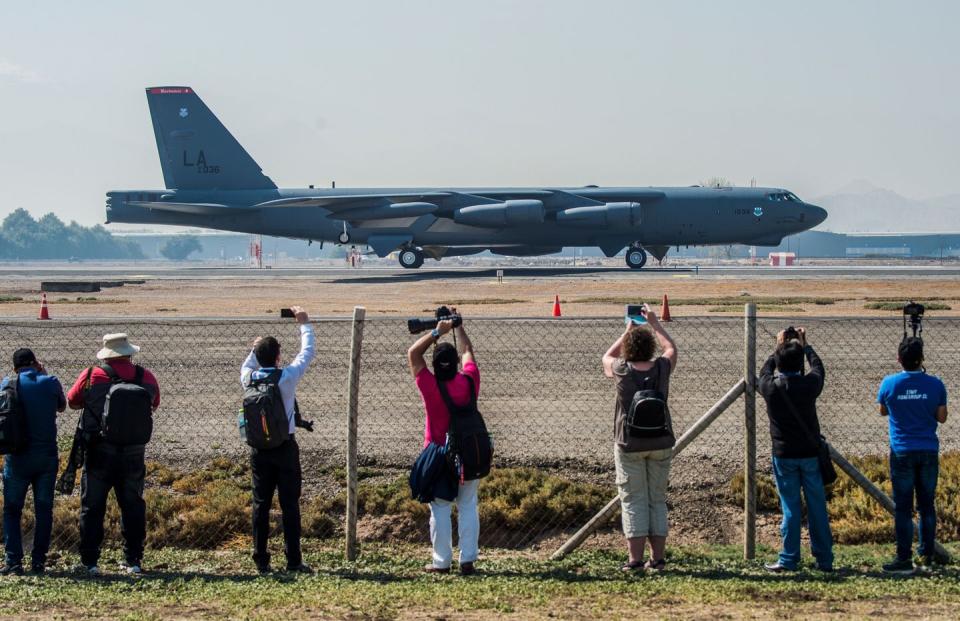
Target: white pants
(468, 522)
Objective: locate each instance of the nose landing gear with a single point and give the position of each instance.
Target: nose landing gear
(636, 257)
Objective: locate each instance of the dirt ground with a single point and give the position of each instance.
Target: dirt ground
(519, 297)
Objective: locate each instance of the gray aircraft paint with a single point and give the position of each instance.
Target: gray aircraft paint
(212, 182)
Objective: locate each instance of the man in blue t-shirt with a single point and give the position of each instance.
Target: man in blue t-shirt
(915, 403)
(41, 397)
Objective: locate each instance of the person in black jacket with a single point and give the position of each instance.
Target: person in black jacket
(791, 397)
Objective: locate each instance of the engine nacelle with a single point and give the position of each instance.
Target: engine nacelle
(609, 215)
(501, 214)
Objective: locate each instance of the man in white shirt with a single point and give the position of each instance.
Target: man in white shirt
(279, 468)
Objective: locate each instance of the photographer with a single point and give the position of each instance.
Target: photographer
(914, 403)
(276, 467)
(644, 439)
(458, 387)
(791, 397)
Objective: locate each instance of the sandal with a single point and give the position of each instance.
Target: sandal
(633, 566)
(653, 565)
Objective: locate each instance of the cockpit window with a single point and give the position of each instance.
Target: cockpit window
(784, 196)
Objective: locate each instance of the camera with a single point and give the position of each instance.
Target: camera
(416, 326)
(913, 314)
(791, 334)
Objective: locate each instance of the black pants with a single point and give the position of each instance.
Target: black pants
(121, 469)
(277, 469)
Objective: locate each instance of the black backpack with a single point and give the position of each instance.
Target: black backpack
(265, 420)
(469, 448)
(127, 417)
(649, 415)
(13, 419)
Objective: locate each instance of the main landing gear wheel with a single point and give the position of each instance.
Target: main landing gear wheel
(411, 258)
(344, 238)
(636, 257)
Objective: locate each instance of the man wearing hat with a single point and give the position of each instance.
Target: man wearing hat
(108, 465)
(915, 403)
(41, 397)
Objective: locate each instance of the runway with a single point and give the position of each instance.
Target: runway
(376, 274)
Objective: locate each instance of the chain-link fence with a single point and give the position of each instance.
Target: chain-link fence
(543, 396)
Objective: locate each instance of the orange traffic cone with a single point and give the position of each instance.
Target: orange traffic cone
(556, 306)
(665, 311)
(44, 312)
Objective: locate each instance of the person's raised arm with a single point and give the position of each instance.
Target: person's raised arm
(250, 364)
(464, 345)
(298, 367)
(421, 345)
(667, 345)
(613, 353)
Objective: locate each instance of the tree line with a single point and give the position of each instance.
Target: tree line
(23, 237)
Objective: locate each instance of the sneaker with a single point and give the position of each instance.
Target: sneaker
(264, 570)
(302, 568)
(777, 568)
(91, 570)
(903, 567)
(467, 569)
(133, 569)
(928, 563)
(38, 570)
(430, 569)
(11, 570)
(827, 569)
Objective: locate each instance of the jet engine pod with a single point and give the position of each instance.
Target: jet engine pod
(501, 214)
(609, 215)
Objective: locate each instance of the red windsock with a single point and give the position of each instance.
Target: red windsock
(44, 312)
(556, 306)
(665, 311)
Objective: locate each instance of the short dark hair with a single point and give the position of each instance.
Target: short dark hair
(23, 357)
(445, 361)
(639, 345)
(789, 357)
(267, 351)
(910, 353)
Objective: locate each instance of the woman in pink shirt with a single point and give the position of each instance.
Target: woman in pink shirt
(446, 360)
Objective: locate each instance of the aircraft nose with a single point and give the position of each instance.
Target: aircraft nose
(815, 215)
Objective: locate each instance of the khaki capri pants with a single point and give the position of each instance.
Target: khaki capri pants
(642, 480)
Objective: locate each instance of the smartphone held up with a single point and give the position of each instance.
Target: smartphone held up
(635, 315)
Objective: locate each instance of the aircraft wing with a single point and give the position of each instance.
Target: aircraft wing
(199, 209)
(339, 204)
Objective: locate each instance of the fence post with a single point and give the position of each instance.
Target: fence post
(353, 401)
(750, 431)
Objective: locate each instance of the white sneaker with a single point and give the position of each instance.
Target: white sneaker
(135, 570)
(90, 570)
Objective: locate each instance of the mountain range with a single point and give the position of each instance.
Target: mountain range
(861, 207)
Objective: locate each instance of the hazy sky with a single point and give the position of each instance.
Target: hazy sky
(805, 95)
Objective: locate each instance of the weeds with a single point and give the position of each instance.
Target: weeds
(480, 302)
(91, 300)
(735, 301)
(9, 299)
(855, 517)
(897, 305)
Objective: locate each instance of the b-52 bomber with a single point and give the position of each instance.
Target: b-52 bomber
(212, 182)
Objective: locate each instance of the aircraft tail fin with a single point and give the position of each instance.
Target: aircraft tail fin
(196, 151)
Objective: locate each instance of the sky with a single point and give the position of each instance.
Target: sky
(803, 95)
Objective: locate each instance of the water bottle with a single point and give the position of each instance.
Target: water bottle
(242, 424)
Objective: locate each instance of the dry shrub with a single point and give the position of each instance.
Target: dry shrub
(855, 517)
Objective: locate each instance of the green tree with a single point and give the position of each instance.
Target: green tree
(22, 237)
(180, 247)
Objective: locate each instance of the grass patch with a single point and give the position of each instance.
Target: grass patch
(761, 308)
(897, 305)
(481, 302)
(854, 516)
(737, 301)
(90, 300)
(10, 299)
(387, 583)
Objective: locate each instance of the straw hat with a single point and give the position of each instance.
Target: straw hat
(116, 346)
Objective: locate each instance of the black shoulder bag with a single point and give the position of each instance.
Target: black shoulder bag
(827, 472)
